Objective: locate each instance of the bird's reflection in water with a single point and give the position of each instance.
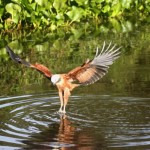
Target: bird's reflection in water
(64, 135)
(66, 130)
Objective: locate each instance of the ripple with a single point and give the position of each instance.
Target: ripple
(11, 140)
(58, 144)
(15, 133)
(35, 122)
(32, 122)
(9, 147)
(14, 97)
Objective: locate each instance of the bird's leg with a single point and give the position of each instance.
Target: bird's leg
(61, 101)
(66, 97)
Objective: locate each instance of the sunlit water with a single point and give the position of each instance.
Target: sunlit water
(92, 122)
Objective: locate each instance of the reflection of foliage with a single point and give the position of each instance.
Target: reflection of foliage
(69, 50)
(55, 13)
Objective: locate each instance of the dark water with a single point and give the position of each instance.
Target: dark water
(112, 114)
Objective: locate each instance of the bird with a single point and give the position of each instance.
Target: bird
(88, 73)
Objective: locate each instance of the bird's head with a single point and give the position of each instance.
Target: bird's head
(55, 78)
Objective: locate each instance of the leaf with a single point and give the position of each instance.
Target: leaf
(14, 10)
(53, 27)
(1, 11)
(99, 1)
(75, 14)
(30, 1)
(116, 10)
(129, 26)
(33, 5)
(1, 26)
(82, 2)
(28, 7)
(126, 3)
(16, 1)
(126, 26)
(26, 14)
(60, 16)
(57, 44)
(40, 2)
(104, 29)
(15, 18)
(106, 9)
(59, 5)
(77, 32)
(116, 24)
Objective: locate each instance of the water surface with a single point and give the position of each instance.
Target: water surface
(92, 122)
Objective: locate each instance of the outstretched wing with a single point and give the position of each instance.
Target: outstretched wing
(16, 58)
(44, 70)
(93, 70)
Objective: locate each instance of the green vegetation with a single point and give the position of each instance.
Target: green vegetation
(61, 52)
(52, 14)
(66, 32)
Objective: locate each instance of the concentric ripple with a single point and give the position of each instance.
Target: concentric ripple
(92, 121)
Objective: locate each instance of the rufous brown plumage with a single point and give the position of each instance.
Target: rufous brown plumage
(88, 73)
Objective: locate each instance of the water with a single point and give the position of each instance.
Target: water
(92, 122)
(112, 114)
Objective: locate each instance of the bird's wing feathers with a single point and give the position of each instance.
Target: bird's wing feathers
(88, 73)
(15, 57)
(95, 69)
(44, 70)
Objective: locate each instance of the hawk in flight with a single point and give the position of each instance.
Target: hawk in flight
(88, 73)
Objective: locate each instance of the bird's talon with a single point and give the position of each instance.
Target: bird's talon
(61, 111)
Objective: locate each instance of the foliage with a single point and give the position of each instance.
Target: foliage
(17, 14)
(55, 50)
